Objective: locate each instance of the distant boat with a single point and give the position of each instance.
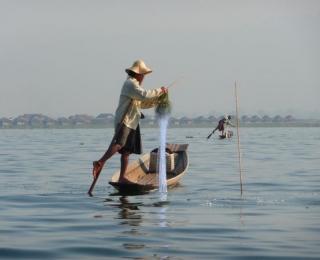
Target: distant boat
(230, 134)
(144, 178)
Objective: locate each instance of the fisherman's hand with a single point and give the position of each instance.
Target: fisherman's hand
(164, 90)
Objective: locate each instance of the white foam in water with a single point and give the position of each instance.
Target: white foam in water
(163, 124)
(162, 216)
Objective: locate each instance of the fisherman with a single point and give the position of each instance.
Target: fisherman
(222, 122)
(127, 138)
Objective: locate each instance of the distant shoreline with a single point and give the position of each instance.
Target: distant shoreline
(102, 126)
(106, 120)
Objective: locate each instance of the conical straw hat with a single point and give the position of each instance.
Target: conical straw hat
(139, 67)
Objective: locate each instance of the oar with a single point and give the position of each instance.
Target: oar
(210, 135)
(113, 139)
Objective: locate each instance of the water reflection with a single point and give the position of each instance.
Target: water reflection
(129, 211)
(133, 213)
(240, 219)
(136, 215)
(162, 216)
(133, 246)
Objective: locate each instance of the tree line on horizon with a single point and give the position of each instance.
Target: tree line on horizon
(107, 119)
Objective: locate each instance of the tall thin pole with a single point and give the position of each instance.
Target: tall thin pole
(238, 134)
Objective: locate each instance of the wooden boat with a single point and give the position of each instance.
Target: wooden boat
(144, 180)
(230, 134)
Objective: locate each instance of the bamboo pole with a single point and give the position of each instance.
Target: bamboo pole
(175, 82)
(238, 134)
(172, 85)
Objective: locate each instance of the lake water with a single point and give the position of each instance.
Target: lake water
(46, 213)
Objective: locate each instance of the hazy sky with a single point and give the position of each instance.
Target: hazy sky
(67, 57)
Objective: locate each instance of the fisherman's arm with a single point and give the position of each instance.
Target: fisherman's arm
(231, 124)
(138, 93)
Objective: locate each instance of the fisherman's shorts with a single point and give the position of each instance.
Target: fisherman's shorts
(221, 126)
(129, 139)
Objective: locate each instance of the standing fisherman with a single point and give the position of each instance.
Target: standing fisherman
(222, 122)
(127, 137)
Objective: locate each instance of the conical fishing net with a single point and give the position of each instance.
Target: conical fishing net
(163, 108)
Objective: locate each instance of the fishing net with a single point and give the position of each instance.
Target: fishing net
(163, 108)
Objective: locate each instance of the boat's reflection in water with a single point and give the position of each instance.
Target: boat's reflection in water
(136, 207)
(142, 214)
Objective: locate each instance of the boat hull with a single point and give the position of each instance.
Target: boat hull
(230, 134)
(142, 180)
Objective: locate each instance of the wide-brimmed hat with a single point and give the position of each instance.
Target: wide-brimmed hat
(139, 67)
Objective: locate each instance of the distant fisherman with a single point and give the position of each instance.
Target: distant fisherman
(222, 122)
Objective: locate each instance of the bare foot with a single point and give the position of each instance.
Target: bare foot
(97, 167)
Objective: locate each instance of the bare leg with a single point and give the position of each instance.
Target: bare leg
(124, 165)
(114, 148)
(98, 165)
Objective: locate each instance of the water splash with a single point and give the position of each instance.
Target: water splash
(163, 124)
